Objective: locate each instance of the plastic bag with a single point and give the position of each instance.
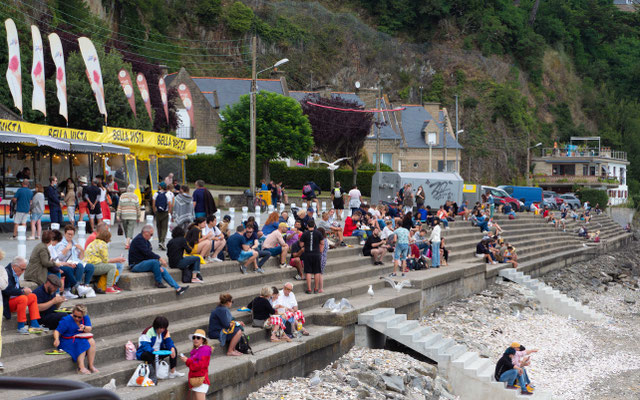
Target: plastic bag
(130, 351)
(162, 370)
(140, 376)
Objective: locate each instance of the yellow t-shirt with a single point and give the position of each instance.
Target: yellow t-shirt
(97, 252)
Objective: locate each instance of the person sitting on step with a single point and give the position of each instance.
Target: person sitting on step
(482, 251)
(97, 254)
(17, 299)
(73, 335)
(213, 233)
(143, 259)
(199, 243)
(223, 327)
(375, 247)
(265, 316)
(49, 299)
(240, 251)
(154, 338)
(176, 250)
(287, 305)
(522, 359)
(275, 244)
(511, 257)
(507, 372)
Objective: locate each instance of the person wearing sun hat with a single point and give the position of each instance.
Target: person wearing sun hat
(522, 360)
(507, 372)
(198, 363)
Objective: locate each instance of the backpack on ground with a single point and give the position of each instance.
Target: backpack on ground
(243, 345)
(161, 201)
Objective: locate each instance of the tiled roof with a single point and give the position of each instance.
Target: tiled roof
(229, 90)
(350, 96)
(414, 120)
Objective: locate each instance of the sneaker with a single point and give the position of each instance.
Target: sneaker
(112, 290)
(97, 290)
(362, 243)
(182, 290)
(13, 238)
(196, 280)
(69, 295)
(392, 275)
(31, 238)
(24, 330)
(343, 244)
(173, 375)
(160, 285)
(530, 388)
(283, 266)
(298, 277)
(199, 276)
(526, 393)
(37, 330)
(215, 259)
(289, 266)
(161, 246)
(243, 269)
(260, 271)
(117, 288)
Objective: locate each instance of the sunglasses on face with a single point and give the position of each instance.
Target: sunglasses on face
(77, 316)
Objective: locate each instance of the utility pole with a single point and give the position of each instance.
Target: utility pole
(379, 104)
(457, 147)
(444, 143)
(252, 133)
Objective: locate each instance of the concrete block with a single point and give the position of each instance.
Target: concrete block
(372, 315)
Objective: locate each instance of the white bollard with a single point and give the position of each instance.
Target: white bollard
(218, 215)
(232, 211)
(282, 207)
(270, 208)
(245, 210)
(257, 211)
(232, 214)
(324, 206)
(293, 205)
(113, 220)
(150, 222)
(22, 241)
(304, 206)
(55, 226)
(82, 233)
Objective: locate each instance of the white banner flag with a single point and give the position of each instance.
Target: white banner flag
(94, 73)
(61, 74)
(14, 74)
(38, 101)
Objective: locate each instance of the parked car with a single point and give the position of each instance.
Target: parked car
(502, 197)
(551, 199)
(571, 200)
(527, 194)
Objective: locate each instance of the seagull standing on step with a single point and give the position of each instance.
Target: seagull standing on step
(333, 165)
(370, 291)
(396, 286)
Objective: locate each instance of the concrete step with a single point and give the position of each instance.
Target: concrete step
(465, 359)
(477, 366)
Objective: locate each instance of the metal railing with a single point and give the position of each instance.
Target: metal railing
(69, 390)
(185, 132)
(583, 152)
(576, 179)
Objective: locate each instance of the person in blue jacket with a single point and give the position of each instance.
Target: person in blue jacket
(223, 327)
(53, 198)
(155, 338)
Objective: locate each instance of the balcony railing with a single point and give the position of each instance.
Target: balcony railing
(577, 179)
(583, 152)
(185, 132)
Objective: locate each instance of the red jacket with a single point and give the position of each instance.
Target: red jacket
(349, 226)
(198, 363)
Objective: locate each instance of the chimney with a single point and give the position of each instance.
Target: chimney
(164, 70)
(216, 103)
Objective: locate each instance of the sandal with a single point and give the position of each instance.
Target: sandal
(274, 339)
(55, 352)
(305, 332)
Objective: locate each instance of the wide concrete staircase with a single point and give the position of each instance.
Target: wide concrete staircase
(552, 299)
(118, 318)
(470, 375)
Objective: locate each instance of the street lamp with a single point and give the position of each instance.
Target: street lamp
(529, 162)
(252, 132)
(458, 147)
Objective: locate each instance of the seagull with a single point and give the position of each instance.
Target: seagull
(396, 286)
(334, 165)
(370, 291)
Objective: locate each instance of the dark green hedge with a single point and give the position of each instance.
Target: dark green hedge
(215, 170)
(594, 196)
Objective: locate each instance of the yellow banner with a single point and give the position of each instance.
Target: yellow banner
(152, 142)
(159, 141)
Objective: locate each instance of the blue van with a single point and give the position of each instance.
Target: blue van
(527, 194)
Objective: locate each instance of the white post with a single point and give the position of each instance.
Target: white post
(169, 236)
(257, 211)
(270, 209)
(293, 205)
(82, 232)
(282, 207)
(150, 222)
(22, 241)
(324, 206)
(218, 215)
(304, 205)
(232, 213)
(55, 226)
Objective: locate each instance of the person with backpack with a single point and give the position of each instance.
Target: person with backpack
(309, 192)
(223, 327)
(161, 209)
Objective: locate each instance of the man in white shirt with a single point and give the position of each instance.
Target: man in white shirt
(355, 199)
(435, 244)
(287, 305)
(212, 232)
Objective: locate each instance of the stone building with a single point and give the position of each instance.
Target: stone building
(210, 96)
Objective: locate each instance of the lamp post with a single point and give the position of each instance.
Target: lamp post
(458, 132)
(252, 133)
(529, 162)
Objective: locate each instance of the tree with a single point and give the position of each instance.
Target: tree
(282, 131)
(337, 133)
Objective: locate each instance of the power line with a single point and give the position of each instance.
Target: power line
(53, 28)
(143, 31)
(164, 60)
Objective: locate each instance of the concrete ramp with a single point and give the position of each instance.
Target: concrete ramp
(470, 375)
(553, 299)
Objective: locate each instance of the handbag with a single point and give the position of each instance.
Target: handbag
(130, 351)
(196, 381)
(140, 376)
(120, 230)
(162, 370)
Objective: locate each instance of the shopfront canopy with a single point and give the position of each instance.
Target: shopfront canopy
(114, 148)
(82, 146)
(55, 144)
(12, 137)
